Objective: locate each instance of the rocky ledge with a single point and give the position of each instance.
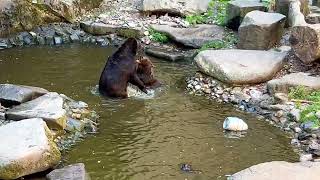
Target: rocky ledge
(42, 124)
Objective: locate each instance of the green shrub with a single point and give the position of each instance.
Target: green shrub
(158, 36)
(308, 113)
(228, 41)
(216, 13)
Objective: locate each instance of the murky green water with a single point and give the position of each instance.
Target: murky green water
(146, 139)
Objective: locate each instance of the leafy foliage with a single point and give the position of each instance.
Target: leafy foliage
(308, 113)
(158, 36)
(229, 41)
(216, 13)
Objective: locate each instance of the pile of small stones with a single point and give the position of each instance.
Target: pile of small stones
(57, 34)
(277, 110)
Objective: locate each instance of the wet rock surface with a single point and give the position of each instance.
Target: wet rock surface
(48, 107)
(170, 54)
(72, 172)
(33, 149)
(15, 94)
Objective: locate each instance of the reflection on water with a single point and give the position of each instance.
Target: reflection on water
(146, 138)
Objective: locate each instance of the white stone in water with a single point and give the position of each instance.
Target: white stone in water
(234, 124)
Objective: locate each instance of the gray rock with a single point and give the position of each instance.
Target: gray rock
(313, 18)
(26, 147)
(282, 7)
(293, 80)
(309, 126)
(16, 94)
(70, 172)
(279, 170)
(40, 40)
(103, 41)
(260, 30)
(295, 114)
(240, 66)
(234, 124)
(2, 116)
(57, 40)
(49, 107)
(305, 157)
(194, 37)
(74, 125)
(182, 7)
(170, 54)
(74, 38)
(98, 28)
(236, 10)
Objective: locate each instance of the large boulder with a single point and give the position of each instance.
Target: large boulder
(182, 7)
(74, 171)
(280, 170)
(194, 37)
(24, 15)
(240, 66)
(16, 94)
(236, 11)
(26, 147)
(286, 82)
(260, 30)
(282, 7)
(49, 107)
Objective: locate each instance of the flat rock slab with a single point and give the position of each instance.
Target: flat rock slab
(261, 30)
(16, 94)
(26, 147)
(71, 172)
(170, 54)
(182, 7)
(194, 37)
(48, 107)
(236, 11)
(240, 66)
(99, 28)
(280, 170)
(293, 80)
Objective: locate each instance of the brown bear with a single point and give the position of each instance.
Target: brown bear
(120, 69)
(146, 74)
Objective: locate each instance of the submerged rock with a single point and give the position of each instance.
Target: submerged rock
(49, 107)
(234, 124)
(16, 94)
(240, 66)
(194, 37)
(26, 147)
(279, 170)
(71, 172)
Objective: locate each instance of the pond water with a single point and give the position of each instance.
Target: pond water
(146, 139)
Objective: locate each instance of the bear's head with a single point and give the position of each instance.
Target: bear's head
(145, 71)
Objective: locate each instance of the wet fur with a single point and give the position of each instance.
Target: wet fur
(146, 74)
(120, 69)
